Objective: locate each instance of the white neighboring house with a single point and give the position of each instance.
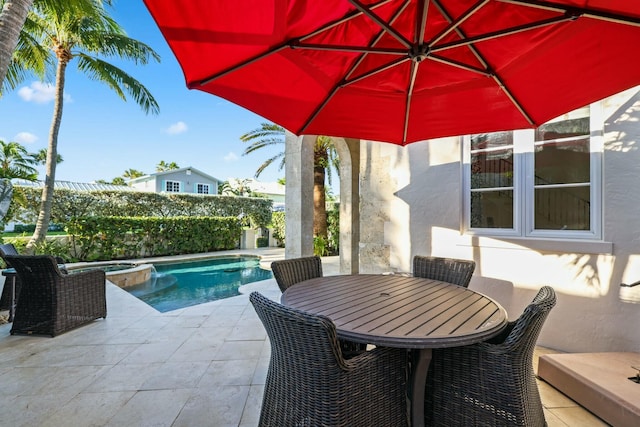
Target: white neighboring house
(183, 180)
(271, 190)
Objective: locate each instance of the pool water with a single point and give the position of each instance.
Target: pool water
(184, 284)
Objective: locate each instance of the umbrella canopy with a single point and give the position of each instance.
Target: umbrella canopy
(404, 70)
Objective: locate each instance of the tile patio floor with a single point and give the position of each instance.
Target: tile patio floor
(200, 366)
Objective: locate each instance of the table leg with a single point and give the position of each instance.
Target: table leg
(418, 382)
(12, 303)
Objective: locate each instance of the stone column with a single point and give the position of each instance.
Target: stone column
(299, 195)
(349, 154)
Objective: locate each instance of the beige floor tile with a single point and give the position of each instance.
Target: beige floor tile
(577, 417)
(152, 408)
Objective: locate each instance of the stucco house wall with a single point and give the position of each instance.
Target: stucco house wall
(411, 203)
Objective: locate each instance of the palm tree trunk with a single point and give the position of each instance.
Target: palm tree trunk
(12, 18)
(319, 205)
(44, 216)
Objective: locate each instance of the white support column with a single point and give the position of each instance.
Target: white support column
(299, 195)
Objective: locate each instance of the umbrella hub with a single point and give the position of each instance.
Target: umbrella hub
(418, 53)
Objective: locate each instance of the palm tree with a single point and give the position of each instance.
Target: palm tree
(87, 33)
(41, 157)
(12, 17)
(325, 158)
(132, 174)
(164, 166)
(17, 54)
(16, 162)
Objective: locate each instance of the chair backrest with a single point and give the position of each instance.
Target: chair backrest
(35, 268)
(288, 272)
(522, 334)
(7, 249)
(451, 270)
(298, 338)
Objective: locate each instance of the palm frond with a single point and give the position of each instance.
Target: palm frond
(268, 163)
(119, 81)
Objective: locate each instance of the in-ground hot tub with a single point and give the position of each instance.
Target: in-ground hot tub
(123, 274)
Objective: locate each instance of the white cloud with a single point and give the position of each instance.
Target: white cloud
(176, 128)
(38, 92)
(25, 138)
(231, 157)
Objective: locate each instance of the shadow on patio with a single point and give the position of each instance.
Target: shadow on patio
(200, 366)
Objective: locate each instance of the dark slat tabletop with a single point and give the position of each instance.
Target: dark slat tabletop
(399, 311)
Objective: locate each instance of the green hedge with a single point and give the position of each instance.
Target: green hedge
(105, 238)
(67, 204)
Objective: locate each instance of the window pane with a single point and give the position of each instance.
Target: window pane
(563, 162)
(490, 140)
(492, 209)
(492, 169)
(563, 129)
(562, 208)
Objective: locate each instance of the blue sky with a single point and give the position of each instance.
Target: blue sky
(101, 136)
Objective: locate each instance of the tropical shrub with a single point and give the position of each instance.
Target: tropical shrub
(278, 225)
(69, 204)
(104, 238)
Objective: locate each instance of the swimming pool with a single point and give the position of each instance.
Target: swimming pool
(186, 283)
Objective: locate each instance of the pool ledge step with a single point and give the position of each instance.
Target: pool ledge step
(597, 381)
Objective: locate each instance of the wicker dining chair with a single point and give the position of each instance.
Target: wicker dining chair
(310, 383)
(490, 383)
(53, 302)
(288, 272)
(456, 271)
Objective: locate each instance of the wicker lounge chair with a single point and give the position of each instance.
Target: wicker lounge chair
(5, 299)
(52, 302)
(310, 383)
(491, 383)
(288, 272)
(457, 271)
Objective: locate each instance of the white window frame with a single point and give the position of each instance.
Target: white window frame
(523, 187)
(204, 186)
(172, 182)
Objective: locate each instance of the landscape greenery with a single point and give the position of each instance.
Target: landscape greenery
(41, 38)
(125, 224)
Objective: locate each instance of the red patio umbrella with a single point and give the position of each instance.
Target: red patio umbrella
(405, 70)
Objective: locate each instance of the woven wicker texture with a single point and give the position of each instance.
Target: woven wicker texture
(5, 299)
(456, 271)
(52, 302)
(491, 383)
(291, 271)
(310, 383)
(288, 272)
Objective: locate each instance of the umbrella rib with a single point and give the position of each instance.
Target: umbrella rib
(375, 18)
(460, 65)
(374, 71)
(457, 22)
(377, 38)
(484, 62)
(344, 19)
(422, 22)
(278, 48)
(503, 33)
(407, 110)
(377, 50)
(586, 12)
(355, 65)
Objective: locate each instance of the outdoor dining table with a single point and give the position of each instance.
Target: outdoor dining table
(403, 312)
